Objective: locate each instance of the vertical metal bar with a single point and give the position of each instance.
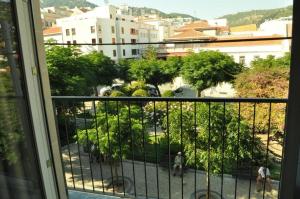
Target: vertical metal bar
(132, 147)
(195, 148)
(283, 146)
(120, 147)
(268, 142)
(252, 149)
(109, 147)
(237, 149)
(181, 149)
(223, 147)
(69, 151)
(169, 150)
(156, 151)
(209, 143)
(98, 142)
(88, 144)
(144, 150)
(78, 147)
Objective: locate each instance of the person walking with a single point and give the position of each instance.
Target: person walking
(263, 179)
(178, 162)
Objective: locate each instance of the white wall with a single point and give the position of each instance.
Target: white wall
(106, 17)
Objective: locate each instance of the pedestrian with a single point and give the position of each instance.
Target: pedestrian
(178, 162)
(263, 179)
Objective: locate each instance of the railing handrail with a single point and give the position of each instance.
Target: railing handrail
(171, 99)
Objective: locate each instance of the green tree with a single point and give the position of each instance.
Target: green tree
(272, 62)
(71, 73)
(116, 132)
(101, 69)
(152, 70)
(208, 68)
(211, 129)
(123, 70)
(267, 78)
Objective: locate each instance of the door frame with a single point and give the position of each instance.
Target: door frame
(39, 97)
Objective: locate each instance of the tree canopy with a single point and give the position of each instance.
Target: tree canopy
(152, 70)
(267, 78)
(208, 68)
(212, 128)
(71, 73)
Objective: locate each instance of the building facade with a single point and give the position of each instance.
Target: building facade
(101, 28)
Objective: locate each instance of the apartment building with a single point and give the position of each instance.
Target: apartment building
(106, 25)
(242, 52)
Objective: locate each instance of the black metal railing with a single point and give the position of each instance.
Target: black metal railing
(129, 146)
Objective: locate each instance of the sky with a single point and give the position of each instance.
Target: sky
(204, 9)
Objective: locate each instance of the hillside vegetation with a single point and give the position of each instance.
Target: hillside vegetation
(68, 3)
(257, 16)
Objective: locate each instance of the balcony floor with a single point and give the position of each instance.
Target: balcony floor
(163, 178)
(84, 195)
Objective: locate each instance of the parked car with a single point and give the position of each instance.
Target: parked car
(107, 90)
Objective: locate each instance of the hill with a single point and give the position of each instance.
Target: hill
(68, 3)
(137, 11)
(257, 16)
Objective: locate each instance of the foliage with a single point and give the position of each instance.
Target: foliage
(151, 70)
(257, 16)
(209, 134)
(168, 93)
(268, 78)
(140, 93)
(123, 70)
(11, 132)
(136, 11)
(68, 3)
(271, 62)
(208, 68)
(73, 74)
(116, 132)
(117, 94)
(102, 69)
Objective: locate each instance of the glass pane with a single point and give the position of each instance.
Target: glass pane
(19, 170)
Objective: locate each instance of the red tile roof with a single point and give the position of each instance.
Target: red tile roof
(52, 31)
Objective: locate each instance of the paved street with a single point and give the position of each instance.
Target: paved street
(151, 175)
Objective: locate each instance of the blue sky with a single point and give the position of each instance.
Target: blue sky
(202, 8)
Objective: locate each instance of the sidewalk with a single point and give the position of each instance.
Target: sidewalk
(154, 191)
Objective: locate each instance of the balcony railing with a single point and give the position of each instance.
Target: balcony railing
(129, 147)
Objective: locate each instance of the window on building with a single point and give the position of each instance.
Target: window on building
(113, 41)
(94, 42)
(99, 28)
(68, 42)
(112, 29)
(100, 40)
(114, 53)
(133, 41)
(242, 60)
(73, 31)
(117, 19)
(93, 29)
(123, 19)
(134, 51)
(122, 30)
(132, 31)
(67, 32)
(123, 41)
(111, 16)
(124, 52)
(74, 42)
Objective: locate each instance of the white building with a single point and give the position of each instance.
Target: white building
(49, 15)
(106, 25)
(53, 34)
